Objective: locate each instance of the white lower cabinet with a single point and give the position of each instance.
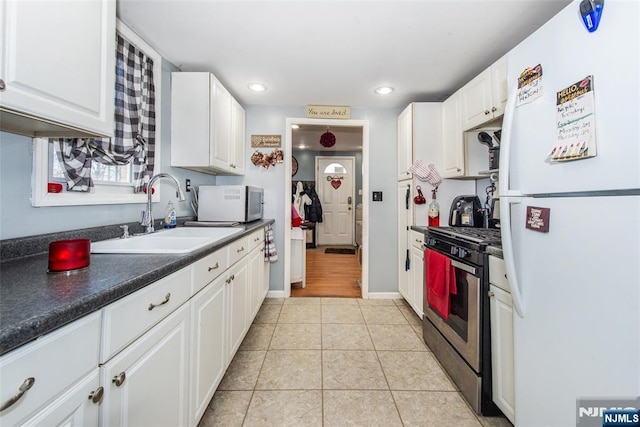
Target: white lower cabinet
(501, 308)
(45, 371)
(208, 347)
(238, 302)
(77, 407)
(416, 282)
(147, 383)
(153, 358)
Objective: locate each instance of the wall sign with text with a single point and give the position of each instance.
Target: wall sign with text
(328, 112)
(258, 141)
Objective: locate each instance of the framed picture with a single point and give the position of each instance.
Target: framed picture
(294, 166)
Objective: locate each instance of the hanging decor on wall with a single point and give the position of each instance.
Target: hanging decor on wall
(266, 160)
(336, 181)
(327, 139)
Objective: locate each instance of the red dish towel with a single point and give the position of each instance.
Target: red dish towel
(440, 281)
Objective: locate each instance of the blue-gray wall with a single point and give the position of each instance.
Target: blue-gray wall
(382, 177)
(18, 218)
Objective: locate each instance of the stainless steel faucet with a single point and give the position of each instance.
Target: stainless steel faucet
(147, 216)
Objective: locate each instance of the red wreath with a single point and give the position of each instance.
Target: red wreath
(327, 139)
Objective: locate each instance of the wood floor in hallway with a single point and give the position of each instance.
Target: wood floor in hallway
(330, 275)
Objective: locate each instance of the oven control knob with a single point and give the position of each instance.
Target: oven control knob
(454, 250)
(431, 241)
(462, 253)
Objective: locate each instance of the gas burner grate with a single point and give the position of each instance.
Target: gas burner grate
(476, 235)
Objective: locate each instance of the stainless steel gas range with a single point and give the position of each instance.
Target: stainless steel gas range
(461, 342)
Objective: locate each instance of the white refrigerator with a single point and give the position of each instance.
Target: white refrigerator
(576, 286)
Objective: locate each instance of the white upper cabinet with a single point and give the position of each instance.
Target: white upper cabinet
(405, 143)
(237, 137)
(452, 138)
(485, 97)
(207, 125)
(57, 67)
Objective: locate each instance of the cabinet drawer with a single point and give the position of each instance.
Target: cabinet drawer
(55, 361)
(208, 268)
(127, 319)
(256, 239)
(417, 239)
(498, 273)
(238, 249)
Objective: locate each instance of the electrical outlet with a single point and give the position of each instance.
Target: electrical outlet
(377, 196)
(187, 185)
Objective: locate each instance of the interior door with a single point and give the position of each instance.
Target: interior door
(336, 187)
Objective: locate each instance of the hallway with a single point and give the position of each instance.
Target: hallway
(330, 275)
(337, 362)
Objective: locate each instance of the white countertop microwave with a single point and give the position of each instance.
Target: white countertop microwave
(230, 203)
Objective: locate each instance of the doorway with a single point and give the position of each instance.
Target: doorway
(340, 267)
(335, 186)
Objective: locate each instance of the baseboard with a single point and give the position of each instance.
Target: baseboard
(275, 294)
(385, 295)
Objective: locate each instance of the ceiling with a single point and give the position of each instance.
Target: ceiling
(336, 52)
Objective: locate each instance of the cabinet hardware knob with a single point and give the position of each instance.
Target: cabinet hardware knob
(97, 395)
(491, 294)
(163, 302)
(26, 385)
(486, 112)
(233, 277)
(458, 169)
(2, 85)
(494, 109)
(118, 380)
(240, 250)
(214, 267)
(228, 281)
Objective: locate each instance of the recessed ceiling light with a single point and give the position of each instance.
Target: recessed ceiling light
(384, 90)
(295, 126)
(257, 87)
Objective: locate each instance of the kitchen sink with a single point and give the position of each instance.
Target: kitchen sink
(176, 240)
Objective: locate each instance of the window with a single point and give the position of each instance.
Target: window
(111, 184)
(335, 168)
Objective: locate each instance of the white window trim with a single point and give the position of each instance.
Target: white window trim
(102, 194)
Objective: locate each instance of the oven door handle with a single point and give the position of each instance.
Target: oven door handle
(464, 267)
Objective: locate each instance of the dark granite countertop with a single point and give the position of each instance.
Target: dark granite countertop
(34, 302)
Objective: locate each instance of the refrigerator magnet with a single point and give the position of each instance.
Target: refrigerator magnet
(538, 219)
(591, 13)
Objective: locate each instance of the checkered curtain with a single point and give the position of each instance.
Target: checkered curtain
(134, 136)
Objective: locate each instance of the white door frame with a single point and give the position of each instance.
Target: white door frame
(334, 123)
(353, 189)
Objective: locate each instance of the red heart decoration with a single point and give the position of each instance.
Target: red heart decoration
(335, 183)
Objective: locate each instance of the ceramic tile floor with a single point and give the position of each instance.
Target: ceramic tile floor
(338, 362)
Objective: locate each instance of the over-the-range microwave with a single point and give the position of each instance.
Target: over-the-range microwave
(230, 203)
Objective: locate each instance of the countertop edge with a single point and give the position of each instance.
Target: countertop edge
(16, 334)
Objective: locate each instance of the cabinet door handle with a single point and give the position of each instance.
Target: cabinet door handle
(494, 109)
(228, 281)
(97, 395)
(491, 294)
(2, 85)
(214, 267)
(164, 301)
(26, 385)
(118, 380)
(240, 250)
(486, 112)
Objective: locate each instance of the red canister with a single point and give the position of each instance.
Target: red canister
(67, 255)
